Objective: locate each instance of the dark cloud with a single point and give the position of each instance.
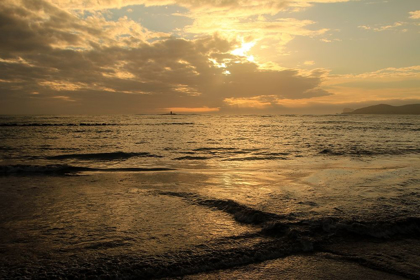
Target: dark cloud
(50, 59)
(246, 80)
(36, 25)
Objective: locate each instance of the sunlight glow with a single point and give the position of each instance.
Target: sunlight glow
(217, 64)
(246, 47)
(252, 102)
(243, 51)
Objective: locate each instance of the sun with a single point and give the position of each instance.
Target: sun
(242, 52)
(244, 49)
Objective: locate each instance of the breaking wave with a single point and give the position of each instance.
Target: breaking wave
(327, 228)
(319, 228)
(275, 224)
(241, 213)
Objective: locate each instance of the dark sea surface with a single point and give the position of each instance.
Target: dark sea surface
(210, 197)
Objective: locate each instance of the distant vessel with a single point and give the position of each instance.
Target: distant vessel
(170, 113)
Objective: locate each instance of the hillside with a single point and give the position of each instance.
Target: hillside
(411, 109)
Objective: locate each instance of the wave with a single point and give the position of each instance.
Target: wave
(278, 237)
(21, 169)
(59, 124)
(166, 123)
(192, 158)
(254, 158)
(327, 228)
(409, 226)
(240, 152)
(213, 149)
(64, 169)
(272, 154)
(171, 264)
(275, 224)
(224, 150)
(363, 152)
(175, 123)
(214, 255)
(103, 245)
(104, 156)
(241, 213)
(91, 124)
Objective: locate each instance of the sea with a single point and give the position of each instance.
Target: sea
(210, 197)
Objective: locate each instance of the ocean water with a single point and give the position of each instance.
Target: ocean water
(209, 196)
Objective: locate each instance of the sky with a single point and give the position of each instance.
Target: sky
(217, 56)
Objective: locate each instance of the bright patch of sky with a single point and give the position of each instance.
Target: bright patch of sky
(362, 36)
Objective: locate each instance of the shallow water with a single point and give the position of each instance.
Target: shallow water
(165, 196)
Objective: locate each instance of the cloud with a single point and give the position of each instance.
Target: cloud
(386, 74)
(75, 56)
(259, 102)
(65, 98)
(240, 6)
(415, 14)
(232, 18)
(105, 66)
(383, 27)
(246, 80)
(384, 84)
(40, 25)
(280, 31)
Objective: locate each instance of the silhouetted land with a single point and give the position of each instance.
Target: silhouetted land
(411, 109)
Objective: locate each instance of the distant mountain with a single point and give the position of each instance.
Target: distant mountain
(411, 109)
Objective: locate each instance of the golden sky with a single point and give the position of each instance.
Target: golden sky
(226, 56)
